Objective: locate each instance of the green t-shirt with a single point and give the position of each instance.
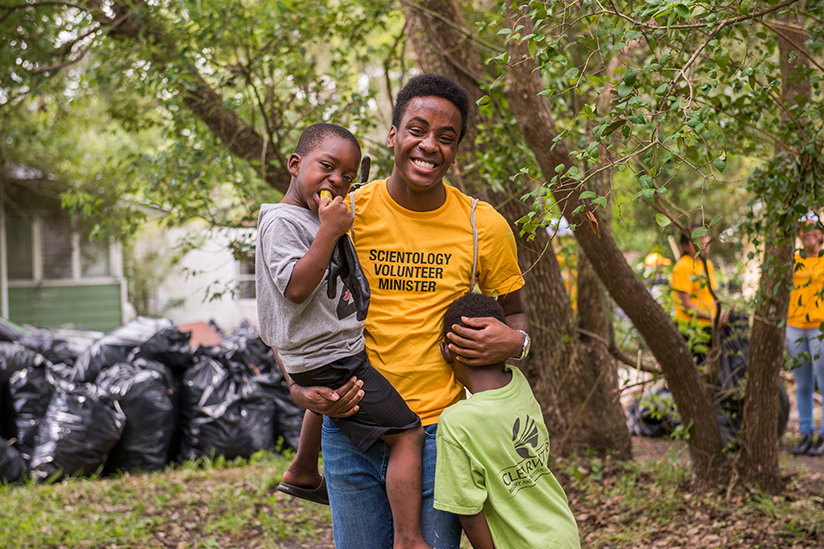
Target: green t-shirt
(492, 455)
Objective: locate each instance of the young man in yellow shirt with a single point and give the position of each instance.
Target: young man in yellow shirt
(422, 244)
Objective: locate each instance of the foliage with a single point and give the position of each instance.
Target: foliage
(277, 65)
(680, 101)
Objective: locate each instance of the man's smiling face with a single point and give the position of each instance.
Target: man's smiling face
(425, 143)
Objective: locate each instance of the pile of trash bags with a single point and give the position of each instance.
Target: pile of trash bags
(655, 414)
(136, 399)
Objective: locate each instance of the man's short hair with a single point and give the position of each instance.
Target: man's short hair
(471, 305)
(316, 133)
(437, 85)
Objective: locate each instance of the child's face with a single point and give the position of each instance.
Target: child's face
(332, 165)
(426, 142)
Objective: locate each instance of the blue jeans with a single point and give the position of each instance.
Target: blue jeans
(806, 346)
(361, 517)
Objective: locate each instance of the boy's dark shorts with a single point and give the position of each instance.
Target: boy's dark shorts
(382, 409)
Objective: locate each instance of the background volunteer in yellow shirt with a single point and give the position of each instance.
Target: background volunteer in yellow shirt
(804, 321)
(694, 305)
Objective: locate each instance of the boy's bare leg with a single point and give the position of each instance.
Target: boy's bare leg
(303, 471)
(403, 487)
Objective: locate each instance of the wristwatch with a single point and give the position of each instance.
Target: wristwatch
(527, 344)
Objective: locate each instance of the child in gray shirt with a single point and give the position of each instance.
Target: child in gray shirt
(315, 328)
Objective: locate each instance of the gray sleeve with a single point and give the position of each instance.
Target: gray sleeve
(282, 243)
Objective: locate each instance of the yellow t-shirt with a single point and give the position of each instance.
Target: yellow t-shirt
(688, 276)
(806, 301)
(417, 263)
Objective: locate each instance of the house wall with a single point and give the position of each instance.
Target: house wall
(94, 307)
(202, 284)
(83, 289)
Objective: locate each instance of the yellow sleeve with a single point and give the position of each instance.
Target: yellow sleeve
(498, 270)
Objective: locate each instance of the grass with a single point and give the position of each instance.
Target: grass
(219, 503)
(199, 504)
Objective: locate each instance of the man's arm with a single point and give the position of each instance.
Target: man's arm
(477, 530)
(340, 402)
(491, 340)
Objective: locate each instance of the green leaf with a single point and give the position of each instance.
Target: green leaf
(485, 106)
(629, 78)
(698, 233)
(624, 90)
(586, 194)
(662, 220)
(720, 163)
(614, 125)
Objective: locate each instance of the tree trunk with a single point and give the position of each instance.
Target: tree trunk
(760, 452)
(573, 377)
(538, 127)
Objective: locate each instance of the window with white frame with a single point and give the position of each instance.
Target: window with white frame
(246, 278)
(44, 247)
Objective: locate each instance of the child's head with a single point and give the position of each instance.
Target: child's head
(470, 305)
(327, 157)
(432, 85)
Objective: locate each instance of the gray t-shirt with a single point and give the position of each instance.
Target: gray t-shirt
(306, 335)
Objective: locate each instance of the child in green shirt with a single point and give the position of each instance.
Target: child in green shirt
(493, 450)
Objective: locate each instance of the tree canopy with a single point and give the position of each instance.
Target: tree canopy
(657, 114)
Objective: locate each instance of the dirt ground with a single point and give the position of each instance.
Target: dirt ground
(657, 448)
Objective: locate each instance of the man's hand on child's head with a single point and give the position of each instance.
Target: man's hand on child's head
(484, 341)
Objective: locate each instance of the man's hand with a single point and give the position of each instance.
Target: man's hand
(340, 402)
(488, 341)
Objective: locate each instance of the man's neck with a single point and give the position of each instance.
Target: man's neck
(424, 201)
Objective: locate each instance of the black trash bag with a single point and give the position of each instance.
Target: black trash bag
(13, 357)
(30, 391)
(344, 264)
(732, 368)
(145, 391)
(730, 385)
(226, 410)
(168, 346)
(245, 346)
(653, 415)
(63, 348)
(58, 349)
(12, 466)
(80, 429)
(158, 338)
